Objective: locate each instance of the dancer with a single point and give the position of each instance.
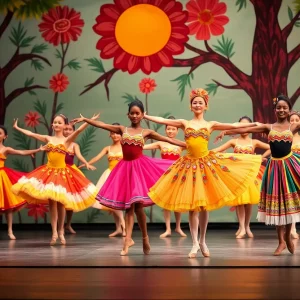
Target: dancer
(10, 203)
(114, 155)
(56, 182)
(279, 203)
(129, 182)
(171, 152)
(73, 150)
(202, 180)
(245, 145)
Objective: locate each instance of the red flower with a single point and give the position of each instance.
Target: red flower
(141, 34)
(147, 85)
(37, 210)
(59, 82)
(232, 208)
(206, 18)
(32, 119)
(61, 25)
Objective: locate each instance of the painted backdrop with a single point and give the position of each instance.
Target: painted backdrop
(88, 56)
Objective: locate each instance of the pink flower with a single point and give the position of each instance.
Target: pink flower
(147, 85)
(206, 18)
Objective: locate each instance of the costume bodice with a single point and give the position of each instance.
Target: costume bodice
(170, 152)
(243, 149)
(280, 142)
(196, 142)
(113, 158)
(132, 145)
(296, 148)
(2, 160)
(56, 155)
(70, 155)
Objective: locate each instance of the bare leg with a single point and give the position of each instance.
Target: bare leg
(167, 217)
(294, 233)
(68, 227)
(281, 241)
(248, 213)
(178, 226)
(9, 219)
(203, 221)
(61, 220)
(129, 222)
(237, 215)
(194, 228)
(288, 238)
(141, 217)
(120, 223)
(241, 216)
(53, 215)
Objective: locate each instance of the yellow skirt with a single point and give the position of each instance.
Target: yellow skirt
(206, 183)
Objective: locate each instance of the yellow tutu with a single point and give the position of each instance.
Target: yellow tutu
(204, 179)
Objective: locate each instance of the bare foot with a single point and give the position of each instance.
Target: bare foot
(290, 245)
(180, 232)
(279, 249)
(70, 229)
(249, 233)
(125, 247)
(241, 235)
(194, 251)
(131, 243)
(295, 235)
(11, 236)
(146, 245)
(204, 250)
(116, 233)
(166, 234)
(238, 232)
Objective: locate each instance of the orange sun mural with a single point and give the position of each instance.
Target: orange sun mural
(142, 34)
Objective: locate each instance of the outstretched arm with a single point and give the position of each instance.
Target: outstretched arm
(227, 145)
(229, 126)
(151, 134)
(179, 123)
(103, 152)
(40, 137)
(10, 150)
(152, 146)
(81, 158)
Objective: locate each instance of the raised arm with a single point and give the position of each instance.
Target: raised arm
(152, 146)
(151, 134)
(40, 137)
(179, 123)
(227, 145)
(103, 152)
(81, 158)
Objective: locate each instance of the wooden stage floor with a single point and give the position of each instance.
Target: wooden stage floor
(90, 267)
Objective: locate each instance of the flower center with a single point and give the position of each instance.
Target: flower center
(61, 25)
(58, 82)
(205, 17)
(147, 85)
(143, 30)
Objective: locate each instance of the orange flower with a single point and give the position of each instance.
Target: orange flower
(147, 85)
(32, 119)
(59, 83)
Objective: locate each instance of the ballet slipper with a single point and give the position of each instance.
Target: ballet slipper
(194, 251)
(204, 250)
(126, 246)
(279, 249)
(70, 229)
(62, 238)
(116, 233)
(295, 236)
(11, 236)
(249, 233)
(165, 234)
(290, 245)
(146, 245)
(180, 232)
(53, 239)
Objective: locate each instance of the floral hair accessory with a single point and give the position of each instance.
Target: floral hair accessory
(199, 92)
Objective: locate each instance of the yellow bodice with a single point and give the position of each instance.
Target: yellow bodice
(113, 159)
(196, 142)
(296, 148)
(2, 160)
(56, 156)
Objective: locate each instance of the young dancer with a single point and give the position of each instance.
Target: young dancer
(56, 182)
(114, 155)
(280, 190)
(202, 180)
(73, 150)
(129, 182)
(246, 145)
(9, 202)
(171, 152)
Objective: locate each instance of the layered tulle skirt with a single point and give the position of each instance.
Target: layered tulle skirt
(65, 185)
(209, 182)
(129, 182)
(8, 200)
(280, 191)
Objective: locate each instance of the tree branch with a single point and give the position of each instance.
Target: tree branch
(230, 87)
(106, 77)
(289, 27)
(194, 49)
(17, 92)
(6, 22)
(293, 56)
(295, 96)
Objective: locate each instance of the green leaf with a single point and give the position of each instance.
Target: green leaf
(86, 140)
(225, 47)
(73, 64)
(156, 126)
(59, 107)
(182, 82)
(96, 64)
(297, 24)
(23, 141)
(29, 82)
(290, 13)
(37, 64)
(129, 98)
(27, 41)
(39, 48)
(40, 107)
(19, 165)
(93, 215)
(32, 93)
(297, 5)
(211, 88)
(241, 4)
(17, 34)
(58, 54)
